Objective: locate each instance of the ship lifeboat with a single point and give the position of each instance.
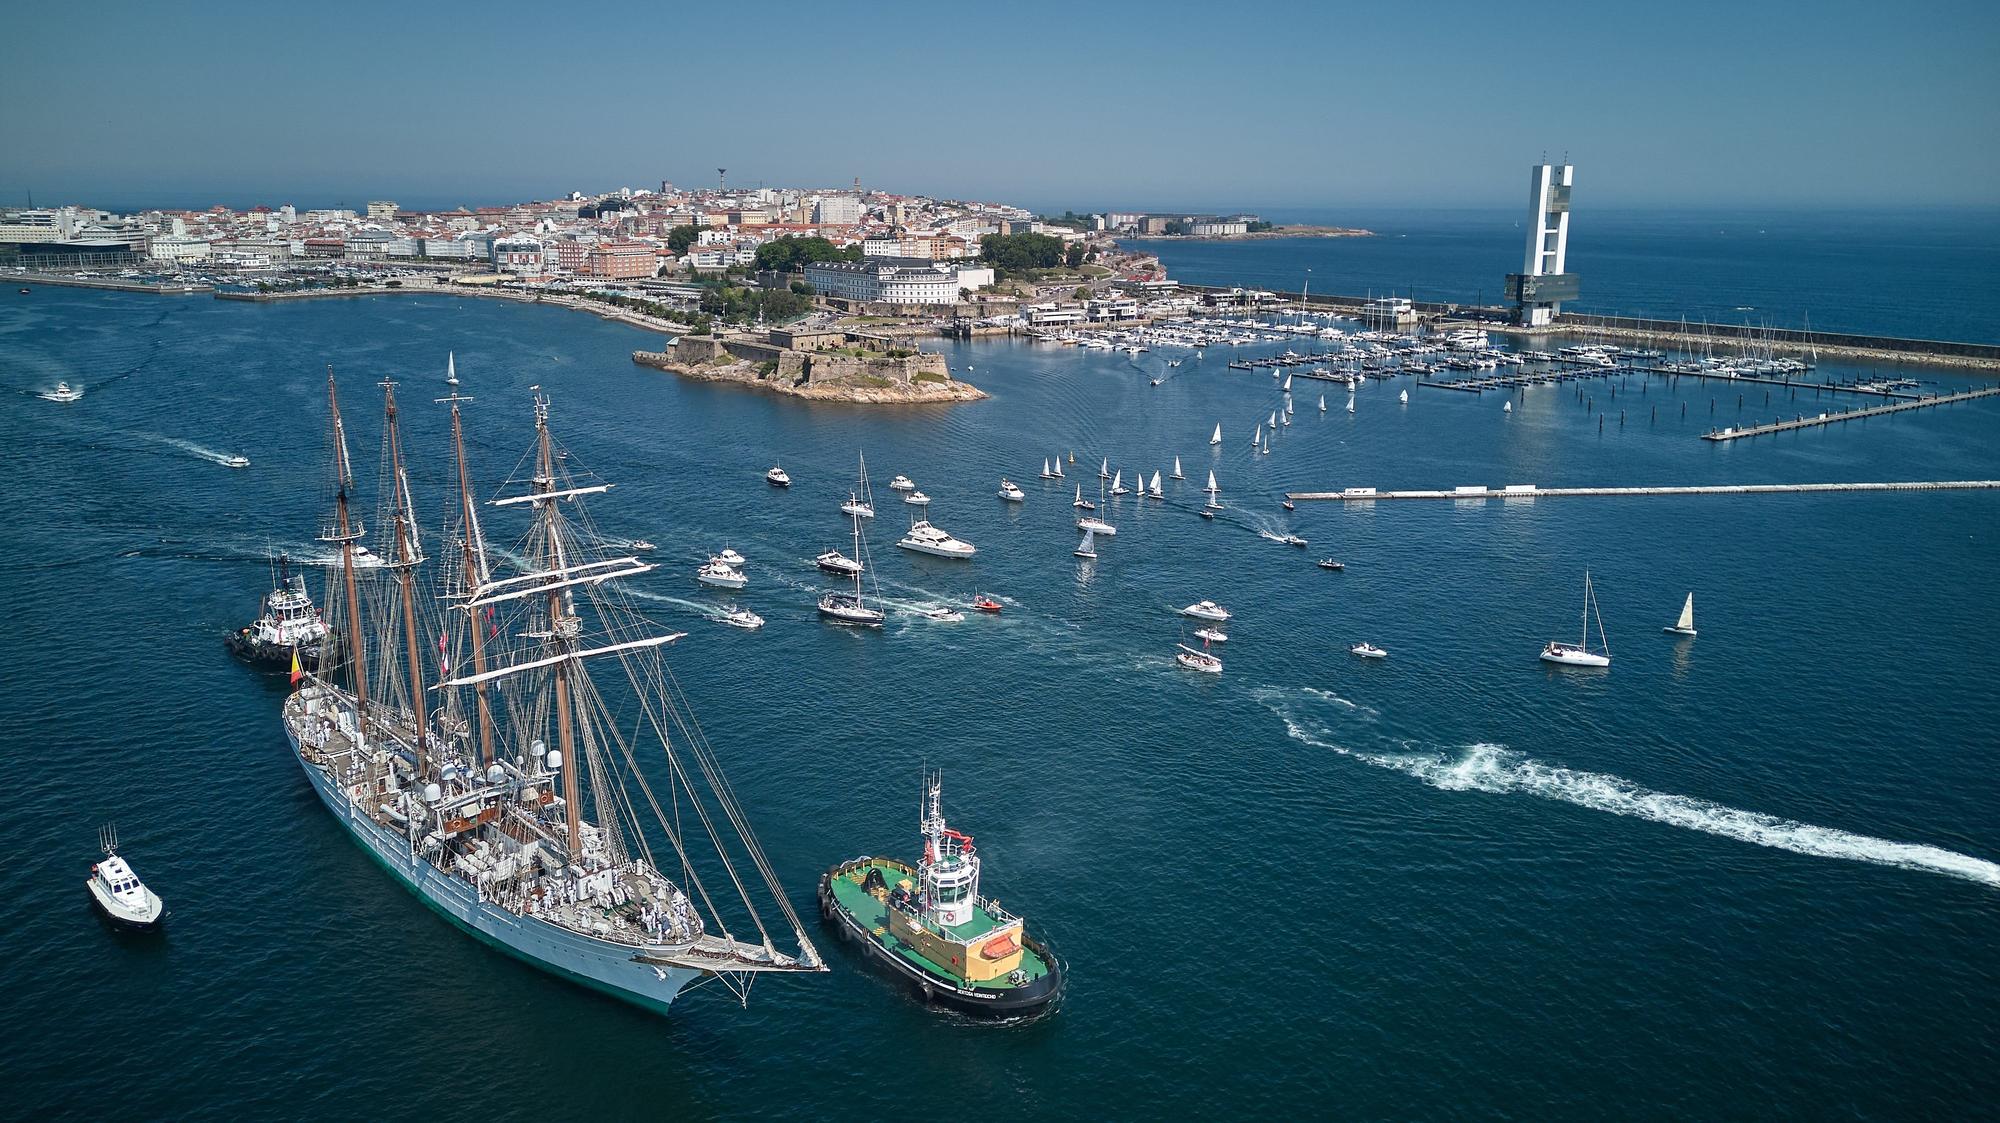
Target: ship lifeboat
(999, 947)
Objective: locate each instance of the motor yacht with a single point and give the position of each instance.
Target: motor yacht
(1206, 610)
(720, 575)
(924, 538)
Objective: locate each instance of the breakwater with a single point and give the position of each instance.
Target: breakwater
(1530, 491)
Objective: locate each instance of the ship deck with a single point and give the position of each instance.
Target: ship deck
(873, 915)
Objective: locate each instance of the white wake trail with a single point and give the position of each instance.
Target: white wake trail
(1496, 770)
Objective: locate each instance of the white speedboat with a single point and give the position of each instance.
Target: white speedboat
(1294, 540)
(1685, 625)
(833, 561)
(1206, 610)
(118, 891)
(845, 608)
(742, 618)
(1579, 654)
(639, 544)
(1091, 524)
(924, 538)
(917, 499)
(1212, 635)
(721, 576)
(234, 461)
(63, 392)
(902, 483)
(1198, 660)
(938, 612)
(778, 477)
(1368, 651)
(1010, 492)
(730, 557)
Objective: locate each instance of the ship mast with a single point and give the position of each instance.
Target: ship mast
(562, 627)
(406, 563)
(343, 473)
(473, 548)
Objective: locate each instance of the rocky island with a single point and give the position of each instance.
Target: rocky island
(820, 365)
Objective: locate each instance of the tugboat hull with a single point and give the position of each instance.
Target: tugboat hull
(933, 987)
(245, 646)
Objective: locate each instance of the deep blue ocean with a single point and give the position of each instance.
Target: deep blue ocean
(1751, 874)
(1928, 274)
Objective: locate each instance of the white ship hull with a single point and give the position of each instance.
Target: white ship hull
(600, 965)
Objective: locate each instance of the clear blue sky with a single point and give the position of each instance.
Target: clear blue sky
(1310, 105)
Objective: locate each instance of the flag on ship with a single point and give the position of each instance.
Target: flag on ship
(297, 672)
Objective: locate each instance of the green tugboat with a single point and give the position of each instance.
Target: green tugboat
(928, 925)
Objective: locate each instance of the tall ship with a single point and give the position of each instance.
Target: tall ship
(582, 826)
(928, 926)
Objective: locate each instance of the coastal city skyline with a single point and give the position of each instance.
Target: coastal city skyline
(1295, 107)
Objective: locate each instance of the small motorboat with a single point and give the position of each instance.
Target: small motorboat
(640, 544)
(235, 461)
(1290, 506)
(777, 477)
(1206, 610)
(118, 891)
(1294, 540)
(1212, 635)
(917, 499)
(25, 290)
(742, 618)
(1010, 492)
(63, 392)
(1208, 512)
(729, 557)
(938, 612)
(1156, 382)
(902, 483)
(1368, 651)
(1329, 563)
(719, 574)
(984, 603)
(1198, 660)
(833, 561)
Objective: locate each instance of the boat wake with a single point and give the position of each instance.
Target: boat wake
(1496, 770)
(202, 451)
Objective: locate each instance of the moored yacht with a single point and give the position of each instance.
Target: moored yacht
(924, 538)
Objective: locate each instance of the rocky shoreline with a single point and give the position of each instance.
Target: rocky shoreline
(855, 390)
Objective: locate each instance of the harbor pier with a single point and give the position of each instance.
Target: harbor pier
(1831, 418)
(1532, 491)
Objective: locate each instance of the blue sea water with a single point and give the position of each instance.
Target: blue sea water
(1927, 274)
(1751, 874)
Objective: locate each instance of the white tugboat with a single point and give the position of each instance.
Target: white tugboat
(289, 627)
(504, 797)
(118, 891)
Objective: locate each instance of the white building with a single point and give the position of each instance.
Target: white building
(836, 210)
(886, 280)
(1541, 286)
(519, 254)
(177, 248)
(1221, 226)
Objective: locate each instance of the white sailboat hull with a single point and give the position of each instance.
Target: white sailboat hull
(1568, 655)
(600, 965)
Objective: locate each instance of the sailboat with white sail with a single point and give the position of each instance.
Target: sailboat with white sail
(1093, 524)
(1118, 484)
(1215, 438)
(1685, 625)
(1081, 503)
(1322, 403)
(1088, 547)
(1579, 654)
(1046, 474)
(507, 792)
(1153, 489)
(450, 368)
(1177, 470)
